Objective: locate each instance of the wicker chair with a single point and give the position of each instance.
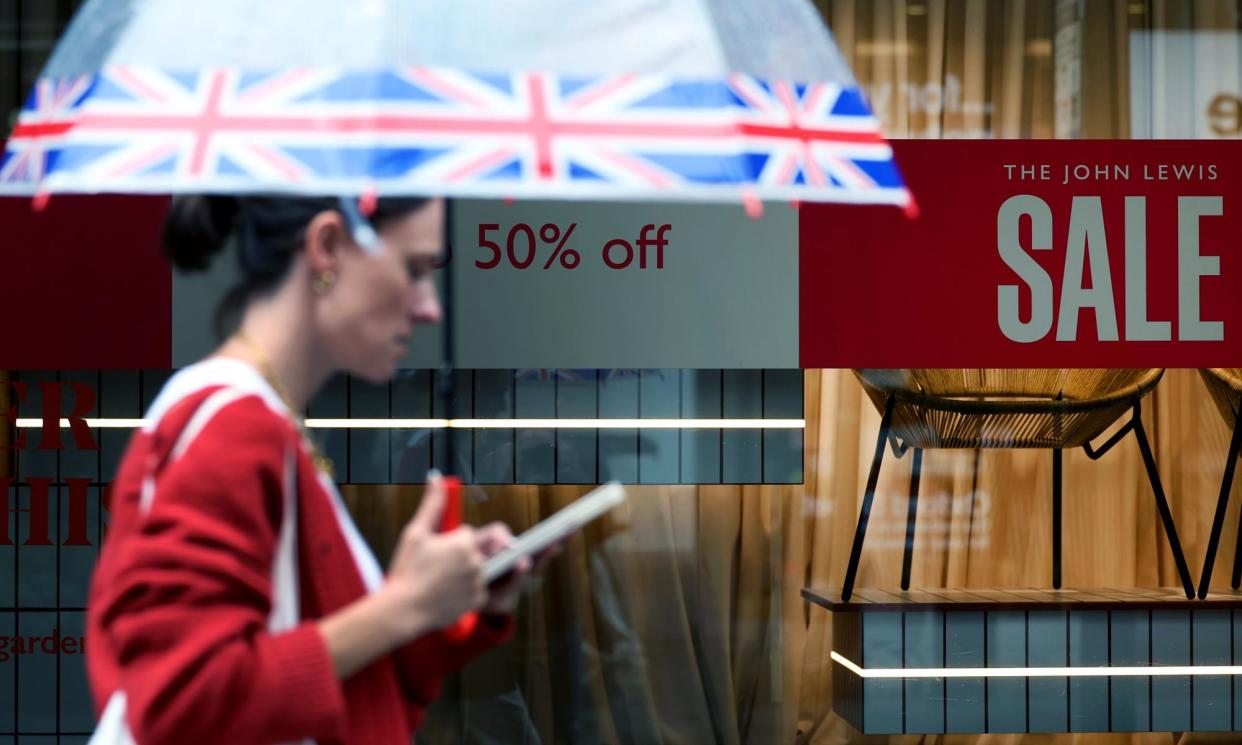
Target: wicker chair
(1225, 385)
(1051, 409)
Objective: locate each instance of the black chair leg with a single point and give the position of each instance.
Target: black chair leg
(911, 513)
(1237, 557)
(1056, 519)
(1218, 521)
(1166, 516)
(847, 589)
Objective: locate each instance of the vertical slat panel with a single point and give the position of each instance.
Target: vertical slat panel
(575, 448)
(76, 706)
(36, 547)
(1088, 634)
(782, 448)
(618, 448)
(847, 687)
(411, 448)
(700, 449)
(965, 710)
(658, 450)
(369, 449)
(1170, 645)
(493, 448)
(36, 682)
(1006, 645)
(535, 398)
(8, 672)
(79, 514)
(742, 457)
(1048, 646)
(1237, 660)
(882, 648)
(461, 405)
(31, 460)
(8, 553)
(924, 647)
(152, 383)
(78, 462)
(332, 402)
(120, 396)
(1129, 643)
(1211, 695)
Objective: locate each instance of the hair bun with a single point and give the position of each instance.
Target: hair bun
(196, 228)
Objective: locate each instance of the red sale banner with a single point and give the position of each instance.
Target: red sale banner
(1033, 254)
(1024, 254)
(84, 284)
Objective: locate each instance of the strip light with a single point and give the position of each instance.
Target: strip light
(105, 423)
(907, 673)
(558, 423)
(111, 423)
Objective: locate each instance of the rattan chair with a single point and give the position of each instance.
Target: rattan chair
(1052, 409)
(1225, 385)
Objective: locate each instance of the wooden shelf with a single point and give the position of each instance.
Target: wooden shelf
(867, 598)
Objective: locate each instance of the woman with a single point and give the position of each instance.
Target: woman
(182, 596)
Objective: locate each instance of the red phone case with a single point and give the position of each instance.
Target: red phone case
(450, 519)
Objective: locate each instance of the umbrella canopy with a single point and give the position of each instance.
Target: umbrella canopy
(611, 99)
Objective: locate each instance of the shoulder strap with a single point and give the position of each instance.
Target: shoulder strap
(202, 415)
(285, 610)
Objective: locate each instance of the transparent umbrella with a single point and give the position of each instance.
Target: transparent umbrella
(716, 100)
(614, 99)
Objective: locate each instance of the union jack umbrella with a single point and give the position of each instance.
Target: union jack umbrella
(613, 99)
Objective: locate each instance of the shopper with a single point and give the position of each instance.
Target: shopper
(193, 637)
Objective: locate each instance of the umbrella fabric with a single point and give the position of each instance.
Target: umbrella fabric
(613, 99)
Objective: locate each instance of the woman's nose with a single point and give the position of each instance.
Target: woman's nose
(425, 308)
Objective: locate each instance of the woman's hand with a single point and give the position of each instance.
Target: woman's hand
(436, 577)
(503, 594)
(433, 579)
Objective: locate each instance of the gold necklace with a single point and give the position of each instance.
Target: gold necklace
(321, 461)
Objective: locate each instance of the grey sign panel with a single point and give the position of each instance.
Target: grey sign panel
(726, 295)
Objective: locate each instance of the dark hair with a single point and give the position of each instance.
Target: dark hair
(268, 231)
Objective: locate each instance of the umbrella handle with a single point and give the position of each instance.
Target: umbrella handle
(359, 226)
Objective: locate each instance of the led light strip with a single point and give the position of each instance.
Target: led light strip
(906, 673)
(92, 423)
(108, 423)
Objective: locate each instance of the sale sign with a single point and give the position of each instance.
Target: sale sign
(1023, 254)
(1033, 254)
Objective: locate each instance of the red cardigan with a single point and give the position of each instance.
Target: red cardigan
(180, 599)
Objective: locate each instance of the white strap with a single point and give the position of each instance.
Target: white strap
(286, 610)
(198, 421)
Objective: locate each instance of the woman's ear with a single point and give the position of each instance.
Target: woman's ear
(326, 238)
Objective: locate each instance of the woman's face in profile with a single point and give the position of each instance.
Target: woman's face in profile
(370, 314)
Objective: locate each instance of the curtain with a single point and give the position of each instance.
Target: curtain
(951, 68)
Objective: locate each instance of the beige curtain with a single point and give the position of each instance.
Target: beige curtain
(664, 623)
(951, 68)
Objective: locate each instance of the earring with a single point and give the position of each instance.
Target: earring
(323, 282)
